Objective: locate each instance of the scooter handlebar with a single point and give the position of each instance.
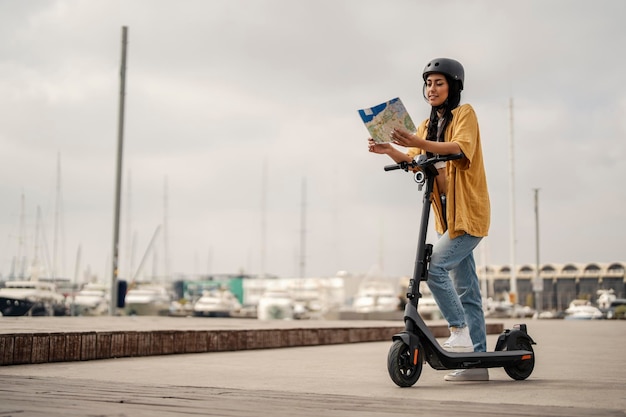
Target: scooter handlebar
(422, 161)
(401, 165)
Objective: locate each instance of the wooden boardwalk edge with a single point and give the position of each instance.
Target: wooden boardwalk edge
(33, 348)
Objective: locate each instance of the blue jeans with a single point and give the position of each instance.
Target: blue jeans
(454, 284)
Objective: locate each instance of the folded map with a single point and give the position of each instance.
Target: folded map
(382, 119)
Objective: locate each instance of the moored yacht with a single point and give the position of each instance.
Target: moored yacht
(582, 310)
(217, 302)
(92, 300)
(31, 297)
(276, 304)
(147, 300)
(376, 296)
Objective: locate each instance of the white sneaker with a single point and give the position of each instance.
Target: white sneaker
(474, 374)
(459, 340)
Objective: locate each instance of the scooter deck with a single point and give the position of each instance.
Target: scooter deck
(438, 358)
(456, 360)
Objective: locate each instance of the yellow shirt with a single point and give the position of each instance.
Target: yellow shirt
(467, 200)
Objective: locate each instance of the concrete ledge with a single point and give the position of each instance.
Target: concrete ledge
(31, 348)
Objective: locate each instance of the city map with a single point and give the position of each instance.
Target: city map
(382, 119)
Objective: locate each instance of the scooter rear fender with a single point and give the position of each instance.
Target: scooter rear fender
(518, 331)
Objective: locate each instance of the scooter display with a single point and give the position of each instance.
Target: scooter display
(416, 344)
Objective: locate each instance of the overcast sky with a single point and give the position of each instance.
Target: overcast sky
(242, 126)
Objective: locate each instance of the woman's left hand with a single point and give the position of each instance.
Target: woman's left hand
(403, 138)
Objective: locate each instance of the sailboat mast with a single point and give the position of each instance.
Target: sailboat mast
(55, 242)
(513, 285)
(303, 231)
(35, 264)
(21, 258)
(264, 218)
(166, 249)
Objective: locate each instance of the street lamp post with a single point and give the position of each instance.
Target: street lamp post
(118, 179)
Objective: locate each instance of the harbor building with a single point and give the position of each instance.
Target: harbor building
(558, 284)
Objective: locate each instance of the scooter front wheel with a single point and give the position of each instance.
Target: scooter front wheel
(404, 371)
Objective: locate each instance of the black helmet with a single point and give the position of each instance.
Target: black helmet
(446, 66)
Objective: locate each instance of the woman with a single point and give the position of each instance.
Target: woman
(460, 204)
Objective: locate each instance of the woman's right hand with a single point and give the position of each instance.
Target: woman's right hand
(381, 148)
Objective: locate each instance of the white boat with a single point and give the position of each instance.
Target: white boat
(605, 298)
(276, 304)
(504, 308)
(181, 308)
(31, 297)
(376, 295)
(218, 302)
(501, 308)
(428, 308)
(309, 297)
(147, 300)
(92, 300)
(582, 310)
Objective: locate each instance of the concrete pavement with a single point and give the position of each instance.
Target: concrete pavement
(578, 372)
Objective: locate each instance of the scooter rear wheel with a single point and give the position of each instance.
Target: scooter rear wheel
(522, 369)
(404, 372)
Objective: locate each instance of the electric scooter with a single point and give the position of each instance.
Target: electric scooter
(416, 344)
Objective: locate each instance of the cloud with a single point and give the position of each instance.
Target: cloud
(218, 90)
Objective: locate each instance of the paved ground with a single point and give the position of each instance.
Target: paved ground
(579, 372)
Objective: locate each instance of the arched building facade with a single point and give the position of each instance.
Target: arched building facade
(562, 283)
